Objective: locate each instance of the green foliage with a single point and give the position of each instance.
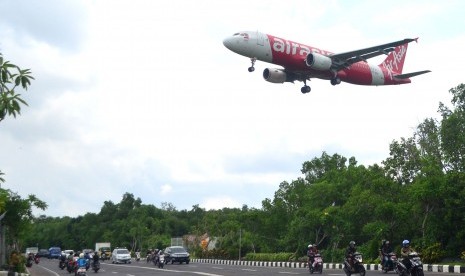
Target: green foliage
(17, 262)
(270, 257)
(11, 77)
(213, 254)
(432, 254)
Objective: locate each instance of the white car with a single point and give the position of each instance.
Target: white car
(67, 252)
(120, 255)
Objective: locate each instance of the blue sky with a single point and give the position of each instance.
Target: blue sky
(142, 97)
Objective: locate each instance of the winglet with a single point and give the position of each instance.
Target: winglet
(416, 39)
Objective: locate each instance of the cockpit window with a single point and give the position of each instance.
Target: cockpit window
(244, 35)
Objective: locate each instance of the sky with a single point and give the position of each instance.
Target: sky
(142, 97)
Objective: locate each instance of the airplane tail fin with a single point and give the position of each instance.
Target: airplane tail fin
(394, 61)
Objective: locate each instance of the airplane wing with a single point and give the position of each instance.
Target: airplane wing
(344, 60)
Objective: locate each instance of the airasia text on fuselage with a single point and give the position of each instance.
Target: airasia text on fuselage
(293, 48)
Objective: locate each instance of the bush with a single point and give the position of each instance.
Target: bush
(17, 262)
(432, 254)
(214, 254)
(270, 257)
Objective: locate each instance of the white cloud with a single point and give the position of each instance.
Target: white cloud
(166, 189)
(219, 202)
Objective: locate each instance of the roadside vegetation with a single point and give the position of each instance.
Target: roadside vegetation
(416, 193)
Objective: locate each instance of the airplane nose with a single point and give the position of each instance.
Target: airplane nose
(227, 42)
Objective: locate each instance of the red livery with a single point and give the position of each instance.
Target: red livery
(302, 62)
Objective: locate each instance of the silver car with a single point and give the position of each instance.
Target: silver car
(120, 255)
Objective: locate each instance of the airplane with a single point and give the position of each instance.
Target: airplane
(302, 62)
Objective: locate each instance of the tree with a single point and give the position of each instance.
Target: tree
(11, 77)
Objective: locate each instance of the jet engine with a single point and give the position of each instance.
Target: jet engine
(318, 61)
(274, 75)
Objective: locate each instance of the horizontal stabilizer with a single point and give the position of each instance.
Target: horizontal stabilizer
(409, 75)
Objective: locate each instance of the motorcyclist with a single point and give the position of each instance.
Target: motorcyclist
(62, 259)
(350, 251)
(155, 256)
(404, 253)
(311, 252)
(149, 255)
(385, 250)
(95, 258)
(81, 262)
(30, 259)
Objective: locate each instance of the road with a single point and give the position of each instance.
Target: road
(50, 268)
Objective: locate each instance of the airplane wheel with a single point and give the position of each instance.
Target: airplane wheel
(305, 89)
(251, 69)
(335, 81)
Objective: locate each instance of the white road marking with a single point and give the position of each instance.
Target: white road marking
(169, 270)
(47, 270)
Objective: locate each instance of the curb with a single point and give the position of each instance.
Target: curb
(426, 267)
(8, 273)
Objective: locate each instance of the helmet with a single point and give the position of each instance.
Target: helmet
(405, 243)
(81, 255)
(310, 245)
(387, 242)
(352, 243)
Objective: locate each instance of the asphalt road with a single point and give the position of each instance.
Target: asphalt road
(50, 268)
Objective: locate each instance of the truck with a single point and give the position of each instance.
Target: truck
(103, 249)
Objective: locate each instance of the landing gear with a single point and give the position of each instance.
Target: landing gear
(252, 68)
(305, 89)
(335, 81)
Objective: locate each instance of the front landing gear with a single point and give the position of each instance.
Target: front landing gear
(252, 68)
(335, 81)
(305, 89)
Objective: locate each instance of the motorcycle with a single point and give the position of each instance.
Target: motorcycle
(95, 266)
(416, 266)
(357, 265)
(161, 260)
(71, 265)
(317, 265)
(137, 256)
(390, 263)
(81, 271)
(62, 264)
(149, 258)
(29, 261)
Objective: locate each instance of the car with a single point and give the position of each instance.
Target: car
(43, 253)
(54, 252)
(68, 252)
(120, 255)
(176, 254)
(33, 250)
